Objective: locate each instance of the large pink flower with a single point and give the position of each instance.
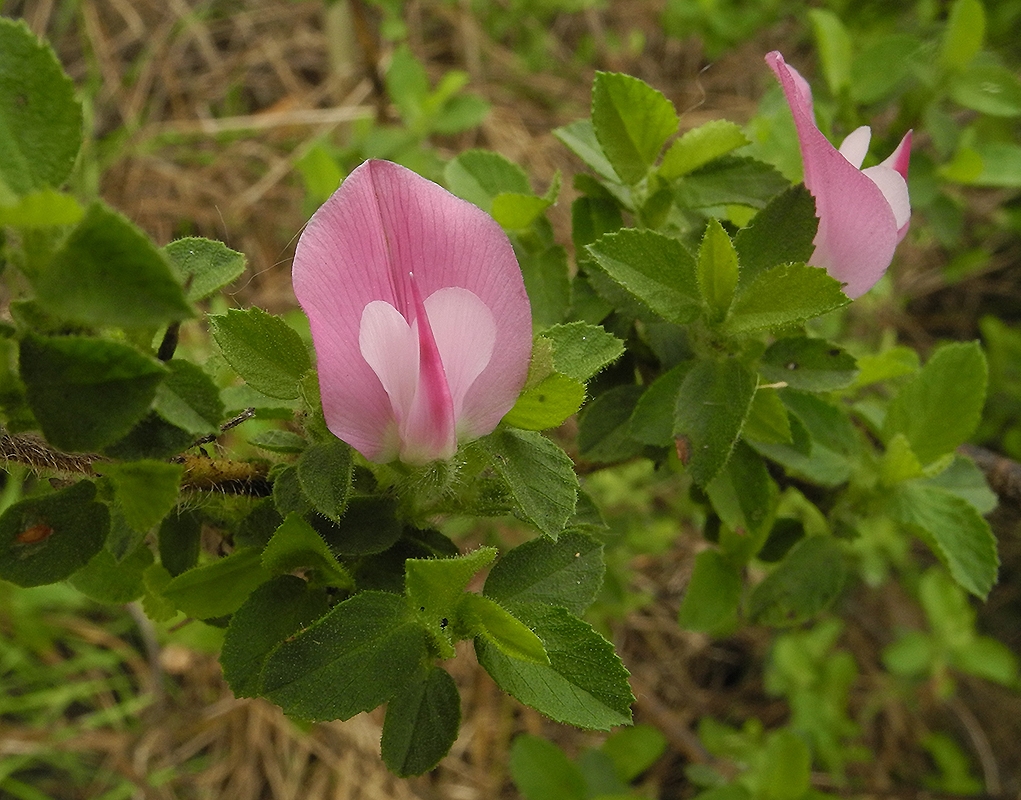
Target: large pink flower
(863, 213)
(419, 316)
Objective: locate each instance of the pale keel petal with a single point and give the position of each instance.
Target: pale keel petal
(856, 145)
(390, 346)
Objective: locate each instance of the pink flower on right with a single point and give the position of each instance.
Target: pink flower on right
(863, 213)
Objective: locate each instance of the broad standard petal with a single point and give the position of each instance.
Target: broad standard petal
(383, 225)
(858, 228)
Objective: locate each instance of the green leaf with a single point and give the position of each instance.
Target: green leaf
(548, 404)
(547, 283)
(203, 266)
(278, 441)
(324, 473)
(634, 750)
(767, 422)
(370, 525)
(712, 405)
(361, 654)
(567, 572)
(421, 724)
(604, 430)
(744, 496)
(782, 233)
(652, 421)
(107, 272)
(86, 393)
(479, 176)
(296, 545)
(407, 85)
(542, 771)
(955, 531)
(584, 685)
(180, 540)
(43, 208)
(805, 583)
(220, 587)
(146, 491)
(591, 217)
(834, 43)
(653, 268)
(632, 122)
(814, 365)
(964, 34)
(273, 612)
(435, 586)
(701, 145)
(539, 477)
(717, 269)
(188, 399)
(712, 597)
(580, 138)
(40, 120)
(786, 766)
(730, 181)
(942, 405)
(989, 88)
(786, 295)
(581, 350)
(263, 350)
(107, 580)
(497, 626)
(45, 539)
(517, 211)
(968, 482)
(884, 66)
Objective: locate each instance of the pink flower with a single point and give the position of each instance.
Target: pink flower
(420, 321)
(863, 213)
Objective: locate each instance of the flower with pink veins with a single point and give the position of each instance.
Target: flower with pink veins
(863, 213)
(420, 321)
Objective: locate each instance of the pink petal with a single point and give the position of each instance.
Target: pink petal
(858, 227)
(384, 223)
(856, 145)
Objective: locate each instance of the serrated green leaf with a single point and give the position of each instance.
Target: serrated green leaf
(714, 591)
(435, 586)
(324, 473)
(964, 479)
(542, 771)
(278, 441)
(539, 477)
(276, 610)
(220, 587)
(547, 283)
(632, 122)
(263, 350)
(43, 208)
(45, 539)
(782, 233)
(40, 119)
(180, 540)
(188, 399)
(805, 583)
(107, 580)
(604, 430)
(711, 408)
(361, 654)
(701, 145)
(964, 34)
(107, 272)
(146, 491)
(955, 531)
(653, 268)
(515, 211)
(942, 405)
(479, 176)
(744, 497)
(811, 364)
(717, 269)
(203, 266)
(581, 350)
(567, 572)
(370, 525)
(494, 623)
(730, 181)
(585, 683)
(86, 393)
(296, 545)
(786, 295)
(548, 404)
(591, 217)
(421, 724)
(580, 138)
(767, 420)
(652, 421)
